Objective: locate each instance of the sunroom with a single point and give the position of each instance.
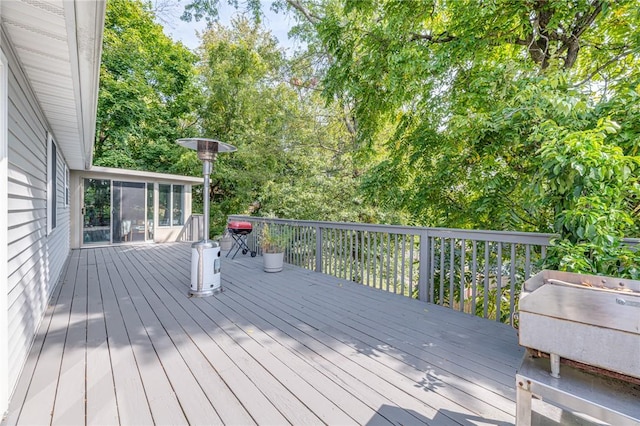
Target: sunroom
(129, 206)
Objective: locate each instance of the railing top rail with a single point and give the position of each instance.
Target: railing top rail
(468, 234)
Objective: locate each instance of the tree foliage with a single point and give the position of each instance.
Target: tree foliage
(148, 93)
(294, 154)
(484, 112)
(501, 115)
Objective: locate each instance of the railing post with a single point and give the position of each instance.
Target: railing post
(424, 268)
(318, 248)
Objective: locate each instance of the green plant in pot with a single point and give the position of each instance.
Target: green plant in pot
(274, 240)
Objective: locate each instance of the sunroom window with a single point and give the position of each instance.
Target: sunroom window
(170, 205)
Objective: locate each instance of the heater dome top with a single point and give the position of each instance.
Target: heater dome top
(207, 148)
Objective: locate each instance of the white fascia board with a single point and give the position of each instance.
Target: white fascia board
(85, 20)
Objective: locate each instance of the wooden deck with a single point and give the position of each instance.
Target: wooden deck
(122, 343)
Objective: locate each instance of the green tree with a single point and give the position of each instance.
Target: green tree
(295, 154)
(456, 95)
(148, 94)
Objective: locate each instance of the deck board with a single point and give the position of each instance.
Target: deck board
(282, 397)
(241, 391)
(43, 383)
(131, 398)
(123, 343)
(101, 406)
(349, 342)
(71, 382)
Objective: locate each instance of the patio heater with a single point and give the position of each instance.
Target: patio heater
(205, 254)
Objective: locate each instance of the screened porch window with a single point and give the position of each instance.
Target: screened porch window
(178, 205)
(170, 205)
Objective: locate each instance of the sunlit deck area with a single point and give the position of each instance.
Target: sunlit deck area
(122, 343)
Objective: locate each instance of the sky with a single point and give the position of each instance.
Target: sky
(278, 24)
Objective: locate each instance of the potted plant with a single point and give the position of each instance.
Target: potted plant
(273, 241)
(225, 242)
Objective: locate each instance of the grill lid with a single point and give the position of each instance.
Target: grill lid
(588, 299)
(590, 319)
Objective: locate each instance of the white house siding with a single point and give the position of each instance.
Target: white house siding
(35, 259)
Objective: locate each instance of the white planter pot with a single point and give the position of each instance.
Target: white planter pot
(226, 243)
(273, 262)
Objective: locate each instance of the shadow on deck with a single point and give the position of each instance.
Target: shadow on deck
(121, 343)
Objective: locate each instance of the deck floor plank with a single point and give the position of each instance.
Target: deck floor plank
(295, 347)
(71, 384)
(283, 398)
(369, 391)
(40, 398)
(349, 346)
(161, 397)
(220, 396)
(133, 407)
(428, 375)
(102, 407)
(198, 327)
(197, 407)
(371, 332)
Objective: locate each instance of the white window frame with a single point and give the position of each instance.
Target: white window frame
(67, 178)
(184, 190)
(52, 199)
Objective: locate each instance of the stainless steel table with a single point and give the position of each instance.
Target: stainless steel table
(611, 400)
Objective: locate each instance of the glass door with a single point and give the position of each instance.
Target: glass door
(150, 211)
(129, 212)
(96, 228)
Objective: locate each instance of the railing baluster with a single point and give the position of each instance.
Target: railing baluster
(380, 284)
(368, 258)
(361, 233)
(298, 244)
(375, 258)
(452, 271)
(328, 250)
(485, 302)
(411, 246)
(395, 263)
(353, 256)
(431, 241)
(462, 274)
(527, 261)
(319, 247)
(474, 275)
(441, 296)
(387, 280)
(312, 242)
(343, 254)
(347, 254)
(512, 282)
(340, 257)
(499, 284)
(353, 253)
(404, 257)
(336, 255)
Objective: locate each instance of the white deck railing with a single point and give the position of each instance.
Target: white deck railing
(193, 229)
(479, 272)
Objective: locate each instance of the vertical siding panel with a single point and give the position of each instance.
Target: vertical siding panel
(35, 259)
